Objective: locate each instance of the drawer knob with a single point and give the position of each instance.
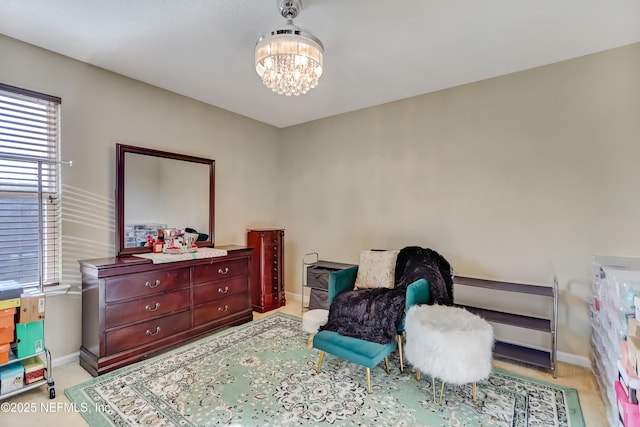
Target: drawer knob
(152, 309)
(154, 285)
(223, 291)
(223, 310)
(153, 333)
(223, 271)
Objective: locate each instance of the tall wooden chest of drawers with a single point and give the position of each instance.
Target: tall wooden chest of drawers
(132, 308)
(267, 268)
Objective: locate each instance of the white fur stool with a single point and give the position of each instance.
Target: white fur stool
(311, 322)
(448, 343)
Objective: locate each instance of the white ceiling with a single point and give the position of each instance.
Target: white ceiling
(375, 51)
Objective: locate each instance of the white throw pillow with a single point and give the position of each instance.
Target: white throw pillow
(376, 269)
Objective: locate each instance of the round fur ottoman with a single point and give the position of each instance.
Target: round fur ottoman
(448, 343)
(311, 322)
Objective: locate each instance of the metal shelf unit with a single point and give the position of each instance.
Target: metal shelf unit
(48, 380)
(48, 377)
(318, 287)
(542, 358)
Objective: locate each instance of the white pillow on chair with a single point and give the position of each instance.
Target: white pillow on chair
(376, 269)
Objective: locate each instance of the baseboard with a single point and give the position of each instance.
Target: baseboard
(296, 297)
(574, 359)
(64, 360)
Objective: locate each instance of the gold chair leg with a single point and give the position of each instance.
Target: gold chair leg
(417, 374)
(473, 392)
(441, 393)
(320, 361)
(368, 381)
(386, 364)
(400, 352)
(310, 342)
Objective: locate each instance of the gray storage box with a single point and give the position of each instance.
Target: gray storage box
(318, 273)
(317, 278)
(318, 299)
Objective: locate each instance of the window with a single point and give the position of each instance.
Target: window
(29, 185)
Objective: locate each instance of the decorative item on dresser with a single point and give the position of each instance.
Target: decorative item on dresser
(132, 308)
(267, 268)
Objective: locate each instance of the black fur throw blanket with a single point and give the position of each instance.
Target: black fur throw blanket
(374, 314)
(415, 263)
(369, 314)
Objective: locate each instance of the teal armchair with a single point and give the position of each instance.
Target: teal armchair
(416, 293)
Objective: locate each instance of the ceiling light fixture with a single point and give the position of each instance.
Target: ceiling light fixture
(289, 60)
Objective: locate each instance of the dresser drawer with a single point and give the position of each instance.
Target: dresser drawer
(214, 310)
(271, 256)
(136, 285)
(146, 308)
(220, 270)
(220, 290)
(147, 332)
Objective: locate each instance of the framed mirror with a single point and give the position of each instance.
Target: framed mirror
(158, 189)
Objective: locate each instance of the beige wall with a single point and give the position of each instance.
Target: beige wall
(519, 178)
(100, 109)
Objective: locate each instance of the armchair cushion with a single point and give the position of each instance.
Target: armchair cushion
(358, 351)
(376, 269)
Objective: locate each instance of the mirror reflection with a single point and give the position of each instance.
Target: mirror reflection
(161, 190)
(163, 193)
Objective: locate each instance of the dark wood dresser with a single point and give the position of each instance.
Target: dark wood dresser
(267, 268)
(132, 308)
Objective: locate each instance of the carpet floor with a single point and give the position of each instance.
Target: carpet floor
(261, 373)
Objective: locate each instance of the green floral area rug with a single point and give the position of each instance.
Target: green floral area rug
(262, 374)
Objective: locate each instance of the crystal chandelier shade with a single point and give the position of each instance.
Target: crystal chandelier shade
(289, 60)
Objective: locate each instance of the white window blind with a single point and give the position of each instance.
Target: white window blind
(29, 186)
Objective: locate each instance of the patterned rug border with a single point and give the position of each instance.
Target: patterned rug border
(95, 419)
(571, 395)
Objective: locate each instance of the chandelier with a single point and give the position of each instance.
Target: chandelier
(289, 60)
